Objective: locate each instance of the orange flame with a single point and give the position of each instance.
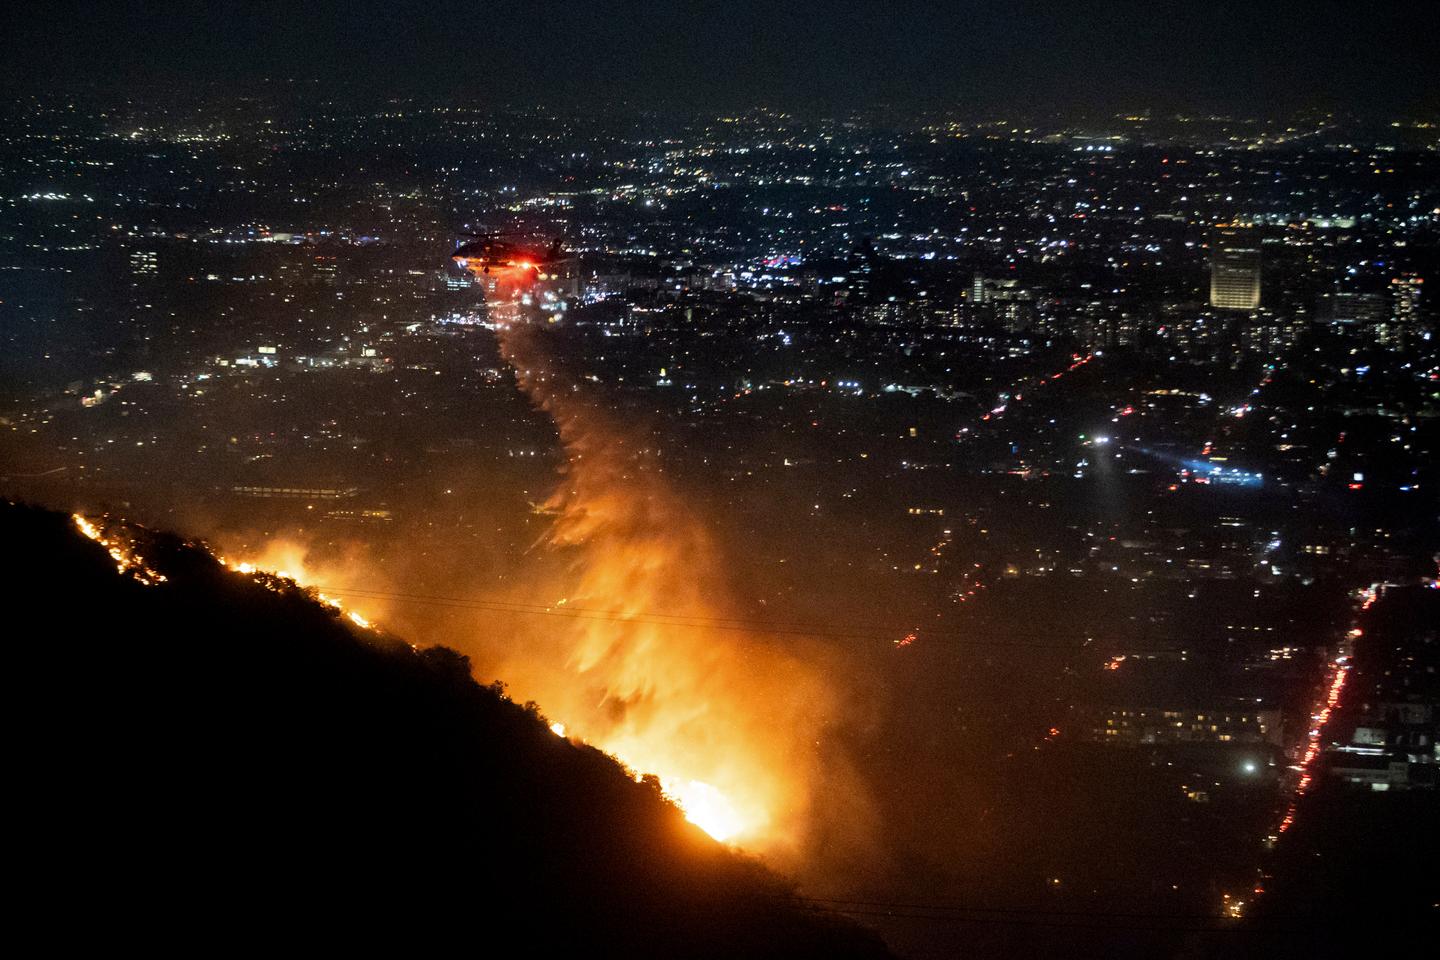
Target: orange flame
(728, 723)
(291, 559)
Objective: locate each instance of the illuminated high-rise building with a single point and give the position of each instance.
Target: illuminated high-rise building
(144, 263)
(1402, 323)
(1234, 269)
(1352, 308)
(1405, 300)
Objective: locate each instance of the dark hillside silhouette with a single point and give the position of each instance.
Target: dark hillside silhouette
(209, 762)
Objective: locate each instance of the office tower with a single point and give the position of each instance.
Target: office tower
(1234, 269)
(1405, 293)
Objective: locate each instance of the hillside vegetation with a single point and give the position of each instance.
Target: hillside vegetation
(209, 761)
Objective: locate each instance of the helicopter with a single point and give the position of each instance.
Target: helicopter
(493, 251)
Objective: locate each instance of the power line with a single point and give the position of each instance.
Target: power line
(1164, 927)
(944, 913)
(739, 624)
(956, 911)
(1022, 911)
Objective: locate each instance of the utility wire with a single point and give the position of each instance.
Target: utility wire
(775, 628)
(1267, 922)
(1165, 927)
(1023, 911)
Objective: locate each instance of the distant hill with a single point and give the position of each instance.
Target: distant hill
(207, 762)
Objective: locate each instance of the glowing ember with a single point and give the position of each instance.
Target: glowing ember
(127, 560)
(295, 574)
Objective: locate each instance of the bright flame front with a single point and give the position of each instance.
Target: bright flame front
(707, 808)
(727, 723)
(634, 663)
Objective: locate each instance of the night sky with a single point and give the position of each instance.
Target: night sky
(1241, 56)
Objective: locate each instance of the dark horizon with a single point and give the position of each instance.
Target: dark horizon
(1260, 59)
